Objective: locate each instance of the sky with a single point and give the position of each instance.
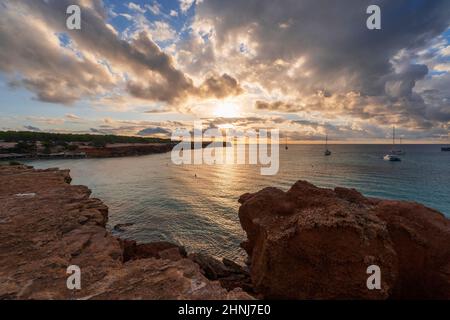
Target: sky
(306, 67)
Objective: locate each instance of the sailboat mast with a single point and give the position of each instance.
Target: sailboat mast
(393, 135)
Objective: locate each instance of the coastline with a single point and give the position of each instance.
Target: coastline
(46, 225)
(109, 151)
(328, 237)
(113, 150)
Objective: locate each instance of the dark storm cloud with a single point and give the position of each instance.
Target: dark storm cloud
(410, 111)
(31, 128)
(402, 83)
(339, 50)
(321, 54)
(153, 131)
(220, 87)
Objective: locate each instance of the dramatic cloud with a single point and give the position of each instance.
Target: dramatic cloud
(307, 67)
(220, 87)
(329, 44)
(30, 49)
(154, 131)
(304, 52)
(31, 128)
(63, 66)
(280, 106)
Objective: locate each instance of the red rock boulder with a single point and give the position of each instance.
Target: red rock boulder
(314, 243)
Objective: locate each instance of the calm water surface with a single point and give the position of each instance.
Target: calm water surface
(167, 202)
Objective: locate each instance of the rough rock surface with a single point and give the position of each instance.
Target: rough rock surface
(160, 250)
(46, 225)
(230, 274)
(313, 243)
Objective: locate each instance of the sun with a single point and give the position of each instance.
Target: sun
(226, 110)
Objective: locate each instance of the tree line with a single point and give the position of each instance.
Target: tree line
(97, 140)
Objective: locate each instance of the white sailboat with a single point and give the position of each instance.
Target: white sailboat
(396, 151)
(327, 152)
(392, 156)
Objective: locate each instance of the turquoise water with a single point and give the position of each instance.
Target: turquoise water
(167, 202)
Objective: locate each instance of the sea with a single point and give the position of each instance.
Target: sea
(197, 205)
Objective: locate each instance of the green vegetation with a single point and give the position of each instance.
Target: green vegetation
(48, 146)
(25, 147)
(64, 138)
(72, 147)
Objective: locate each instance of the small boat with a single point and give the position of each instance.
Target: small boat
(391, 157)
(327, 152)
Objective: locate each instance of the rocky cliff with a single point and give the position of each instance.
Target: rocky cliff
(313, 243)
(46, 225)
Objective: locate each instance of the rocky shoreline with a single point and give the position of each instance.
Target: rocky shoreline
(112, 150)
(306, 243)
(47, 225)
(126, 150)
(108, 151)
